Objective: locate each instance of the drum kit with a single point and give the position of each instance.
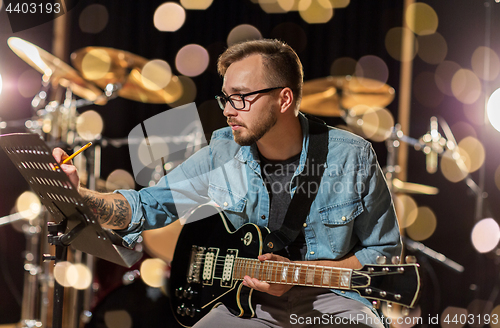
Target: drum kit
(356, 100)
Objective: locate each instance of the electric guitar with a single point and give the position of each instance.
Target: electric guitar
(211, 258)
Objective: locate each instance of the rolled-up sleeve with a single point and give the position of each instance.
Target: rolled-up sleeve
(174, 195)
(377, 227)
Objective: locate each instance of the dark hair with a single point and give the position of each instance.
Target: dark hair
(281, 61)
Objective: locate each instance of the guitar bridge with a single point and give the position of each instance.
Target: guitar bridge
(195, 261)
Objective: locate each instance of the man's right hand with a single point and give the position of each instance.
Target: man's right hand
(70, 170)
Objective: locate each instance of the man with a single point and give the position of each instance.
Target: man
(250, 170)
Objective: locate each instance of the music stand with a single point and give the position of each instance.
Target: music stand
(75, 223)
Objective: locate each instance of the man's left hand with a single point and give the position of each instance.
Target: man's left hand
(272, 289)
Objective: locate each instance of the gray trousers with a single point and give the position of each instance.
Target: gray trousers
(299, 307)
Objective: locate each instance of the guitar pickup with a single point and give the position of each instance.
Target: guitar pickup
(209, 264)
(227, 273)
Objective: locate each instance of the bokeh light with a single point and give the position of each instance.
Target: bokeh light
(153, 272)
(343, 66)
(275, 6)
(396, 313)
(89, 125)
(466, 86)
(493, 109)
(475, 112)
(169, 17)
(29, 83)
(475, 149)
(406, 209)
(156, 74)
(243, 32)
(188, 91)
(174, 89)
(291, 33)
(120, 179)
(424, 226)
(426, 91)
(455, 164)
(28, 205)
(65, 274)
(196, 4)
(83, 276)
(373, 68)
(444, 74)
(451, 312)
(477, 308)
(485, 235)
(421, 18)
(192, 60)
(96, 64)
(117, 319)
(340, 3)
(315, 11)
(462, 130)
(152, 149)
(481, 57)
(432, 48)
(497, 177)
(393, 42)
(161, 242)
(377, 123)
(93, 19)
(495, 313)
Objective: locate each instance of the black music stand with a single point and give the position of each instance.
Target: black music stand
(75, 223)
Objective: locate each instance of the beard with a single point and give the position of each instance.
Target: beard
(255, 133)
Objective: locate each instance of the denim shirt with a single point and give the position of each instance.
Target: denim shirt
(352, 212)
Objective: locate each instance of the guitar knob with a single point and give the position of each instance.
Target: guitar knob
(188, 293)
(395, 260)
(381, 259)
(410, 259)
(192, 312)
(181, 310)
(178, 293)
(405, 311)
(376, 304)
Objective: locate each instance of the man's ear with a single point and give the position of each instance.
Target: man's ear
(286, 100)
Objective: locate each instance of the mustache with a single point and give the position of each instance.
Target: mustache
(233, 122)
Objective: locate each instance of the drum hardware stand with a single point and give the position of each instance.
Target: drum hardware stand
(61, 241)
(392, 144)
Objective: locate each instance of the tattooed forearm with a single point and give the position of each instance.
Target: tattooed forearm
(121, 213)
(112, 210)
(102, 209)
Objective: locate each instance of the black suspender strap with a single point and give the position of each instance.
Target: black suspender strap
(307, 188)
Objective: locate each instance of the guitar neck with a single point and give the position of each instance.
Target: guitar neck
(293, 273)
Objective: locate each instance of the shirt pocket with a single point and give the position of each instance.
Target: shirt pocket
(231, 203)
(338, 224)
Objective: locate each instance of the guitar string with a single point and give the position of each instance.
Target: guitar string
(221, 261)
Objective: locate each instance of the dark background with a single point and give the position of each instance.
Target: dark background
(354, 31)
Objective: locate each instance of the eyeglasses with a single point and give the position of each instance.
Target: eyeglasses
(237, 100)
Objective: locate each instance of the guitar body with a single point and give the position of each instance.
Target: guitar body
(195, 287)
(212, 258)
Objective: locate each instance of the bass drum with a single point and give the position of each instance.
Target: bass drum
(135, 305)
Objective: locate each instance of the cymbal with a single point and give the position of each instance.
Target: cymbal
(58, 71)
(329, 96)
(105, 66)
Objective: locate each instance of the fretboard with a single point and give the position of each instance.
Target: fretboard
(293, 273)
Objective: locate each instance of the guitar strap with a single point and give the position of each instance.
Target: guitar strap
(307, 188)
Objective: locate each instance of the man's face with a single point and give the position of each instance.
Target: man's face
(259, 115)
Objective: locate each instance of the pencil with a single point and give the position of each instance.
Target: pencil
(76, 153)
